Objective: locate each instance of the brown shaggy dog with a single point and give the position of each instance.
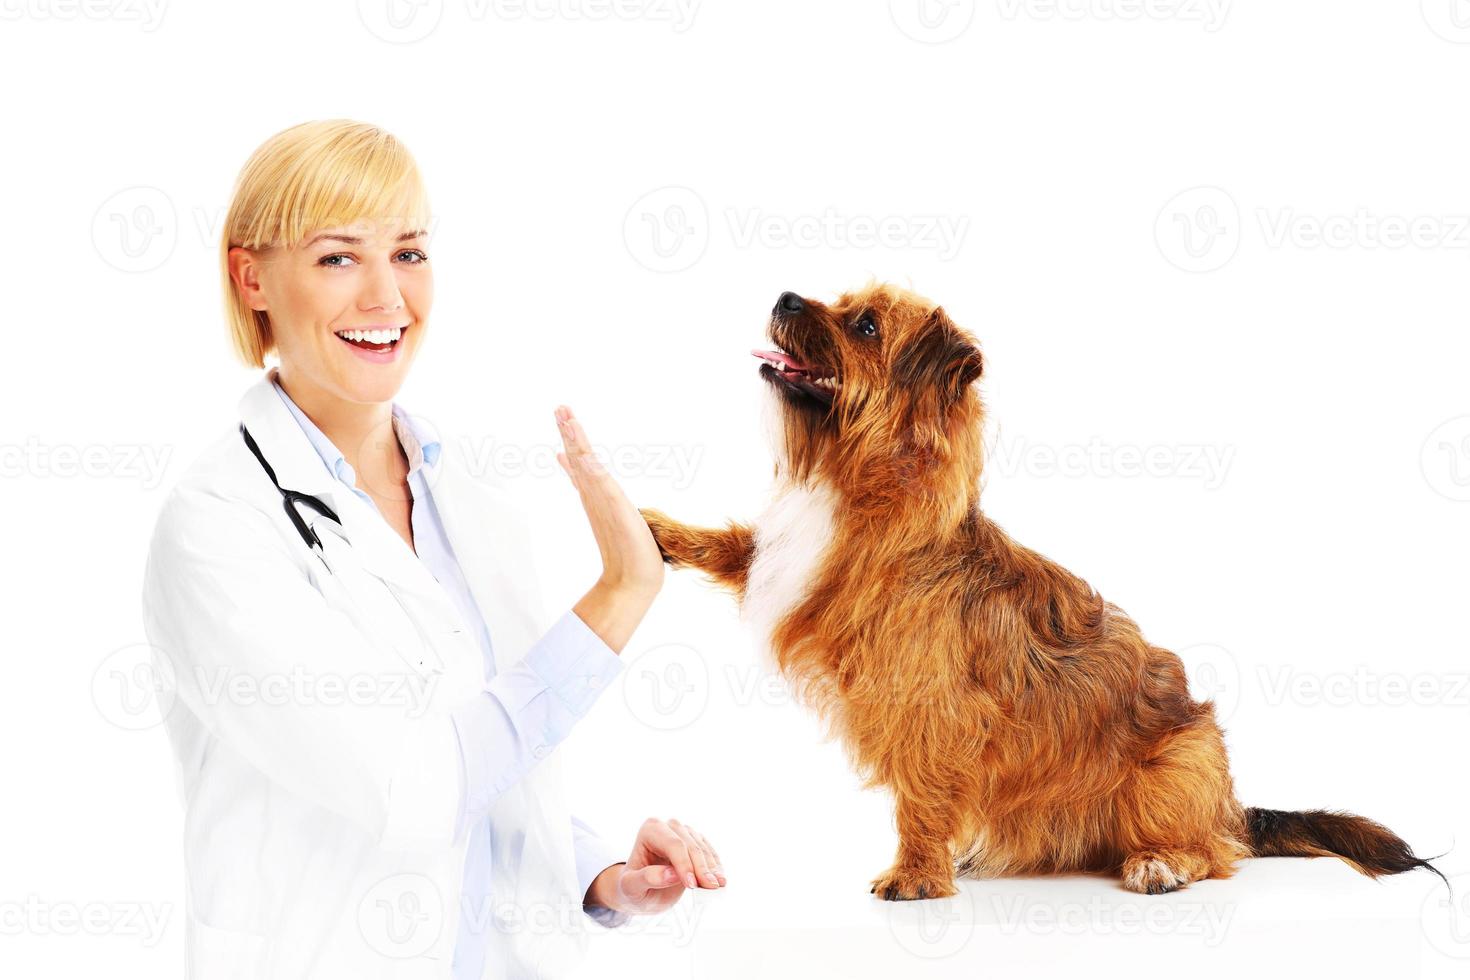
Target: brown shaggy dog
(1022, 722)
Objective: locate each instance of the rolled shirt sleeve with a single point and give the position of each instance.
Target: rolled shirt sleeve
(524, 712)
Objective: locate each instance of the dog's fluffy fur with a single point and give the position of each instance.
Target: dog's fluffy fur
(1022, 723)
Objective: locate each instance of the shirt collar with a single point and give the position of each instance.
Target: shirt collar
(420, 446)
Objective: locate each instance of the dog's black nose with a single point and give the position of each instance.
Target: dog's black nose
(789, 303)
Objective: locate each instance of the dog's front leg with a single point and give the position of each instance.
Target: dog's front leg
(924, 867)
(723, 554)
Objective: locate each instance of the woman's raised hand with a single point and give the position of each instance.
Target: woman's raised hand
(632, 568)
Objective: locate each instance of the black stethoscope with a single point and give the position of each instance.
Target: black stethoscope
(292, 499)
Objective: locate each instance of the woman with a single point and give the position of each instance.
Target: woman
(365, 694)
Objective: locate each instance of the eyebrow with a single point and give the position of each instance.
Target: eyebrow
(351, 240)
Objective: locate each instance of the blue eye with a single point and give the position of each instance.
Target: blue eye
(327, 260)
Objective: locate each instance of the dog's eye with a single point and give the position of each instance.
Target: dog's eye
(865, 326)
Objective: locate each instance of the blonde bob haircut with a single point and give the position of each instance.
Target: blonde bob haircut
(322, 174)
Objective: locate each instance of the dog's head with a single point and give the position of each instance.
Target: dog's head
(876, 385)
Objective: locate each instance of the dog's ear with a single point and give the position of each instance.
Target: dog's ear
(941, 359)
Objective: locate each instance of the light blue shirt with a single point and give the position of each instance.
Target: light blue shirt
(533, 705)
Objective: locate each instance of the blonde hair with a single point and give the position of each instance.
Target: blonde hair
(318, 174)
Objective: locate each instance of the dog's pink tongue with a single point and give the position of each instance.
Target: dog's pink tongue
(780, 359)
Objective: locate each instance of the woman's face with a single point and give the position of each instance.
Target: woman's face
(348, 305)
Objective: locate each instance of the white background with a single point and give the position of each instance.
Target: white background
(1228, 239)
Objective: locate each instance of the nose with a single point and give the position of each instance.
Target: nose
(381, 292)
(788, 303)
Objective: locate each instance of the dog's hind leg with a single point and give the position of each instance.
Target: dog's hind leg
(724, 554)
(1177, 820)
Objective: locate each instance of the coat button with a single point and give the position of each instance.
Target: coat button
(594, 681)
(541, 751)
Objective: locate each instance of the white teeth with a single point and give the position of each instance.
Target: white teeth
(372, 336)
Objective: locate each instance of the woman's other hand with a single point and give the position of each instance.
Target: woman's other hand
(632, 568)
(667, 858)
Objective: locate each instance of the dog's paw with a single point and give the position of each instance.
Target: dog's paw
(1151, 874)
(899, 884)
(659, 525)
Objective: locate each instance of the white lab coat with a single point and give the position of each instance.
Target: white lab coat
(310, 720)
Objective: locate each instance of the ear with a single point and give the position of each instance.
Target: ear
(941, 358)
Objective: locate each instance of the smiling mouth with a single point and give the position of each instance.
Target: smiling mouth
(818, 382)
(381, 340)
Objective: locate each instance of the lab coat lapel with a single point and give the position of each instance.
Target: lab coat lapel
(489, 542)
(284, 445)
(375, 545)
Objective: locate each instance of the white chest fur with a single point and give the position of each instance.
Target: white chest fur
(791, 539)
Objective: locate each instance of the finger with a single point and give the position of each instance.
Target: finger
(713, 853)
(637, 884)
(701, 860)
(568, 432)
(576, 435)
(715, 863)
(709, 861)
(665, 842)
(573, 436)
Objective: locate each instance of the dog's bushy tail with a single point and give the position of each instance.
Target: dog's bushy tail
(1368, 846)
